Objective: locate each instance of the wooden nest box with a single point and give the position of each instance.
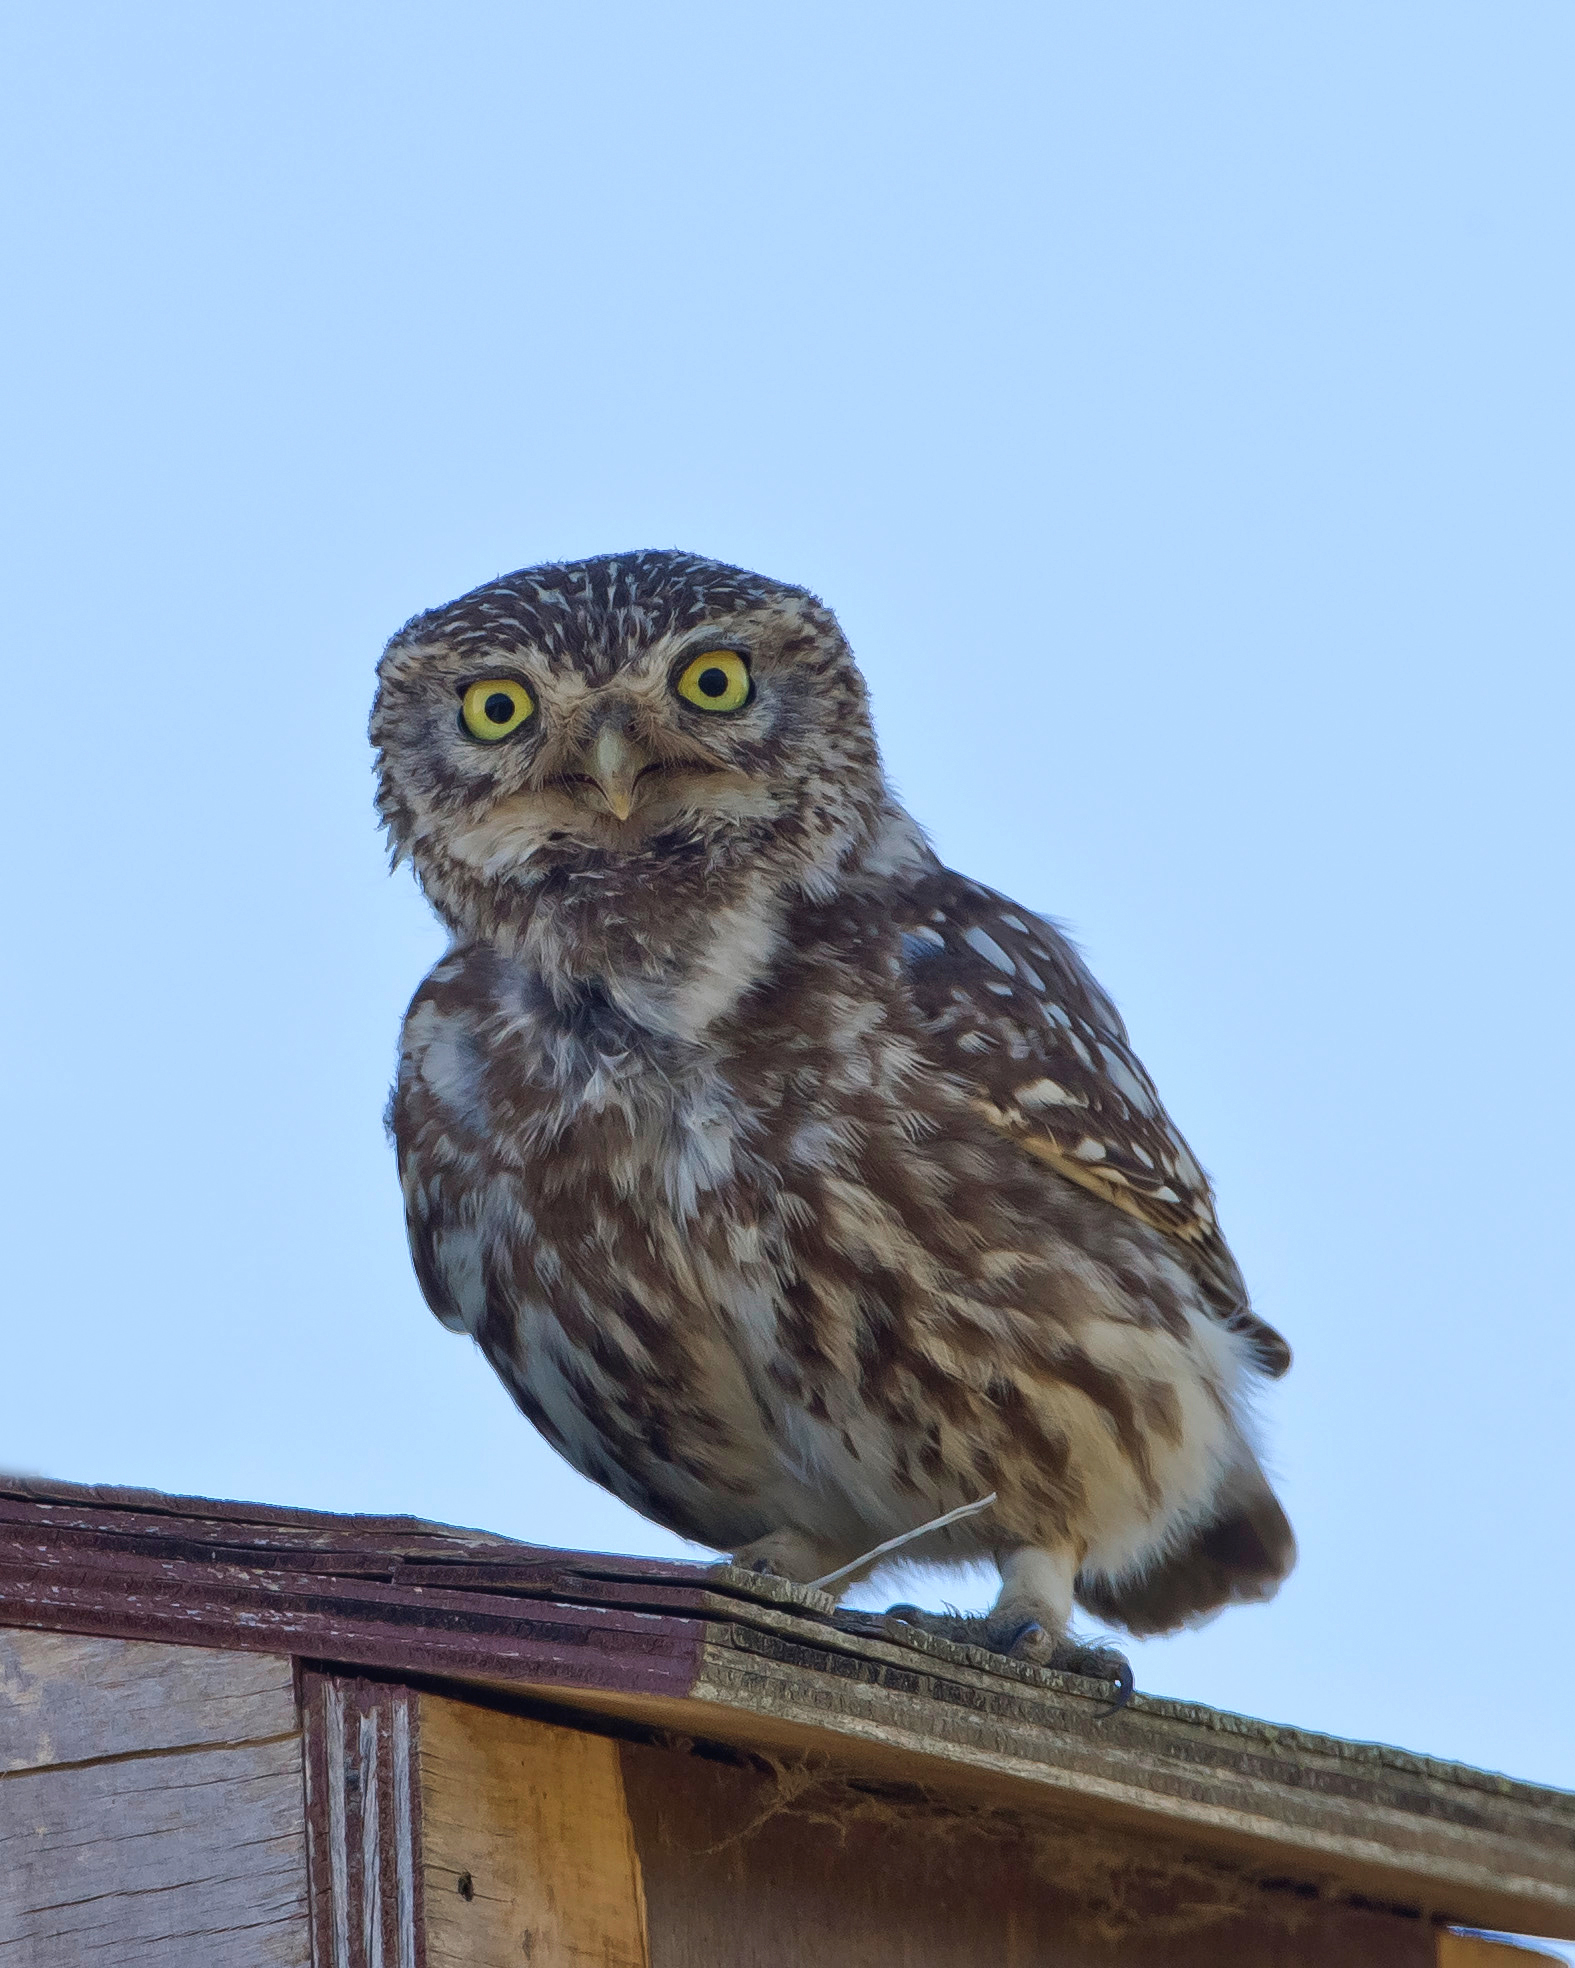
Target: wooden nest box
(240, 1737)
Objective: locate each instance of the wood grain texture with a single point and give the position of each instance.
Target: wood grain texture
(150, 1805)
(192, 1858)
(363, 1822)
(744, 1659)
(527, 1851)
(758, 1868)
(313, 1586)
(1458, 1845)
(71, 1698)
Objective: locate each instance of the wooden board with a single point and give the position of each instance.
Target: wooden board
(527, 1855)
(708, 1652)
(780, 1868)
(160, 1804)
(135, 1825)
(190, 1860)
(69, 1697)
(1455, 1844)
(135, 1566)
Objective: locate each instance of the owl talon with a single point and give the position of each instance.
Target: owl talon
(1029, 1642)
(1032, 1642)
(1116, 1667)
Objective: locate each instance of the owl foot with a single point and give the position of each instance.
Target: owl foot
(786, 1555)
(1025, 1638)
(1031, 1642)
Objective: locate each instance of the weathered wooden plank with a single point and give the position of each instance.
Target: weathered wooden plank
(71, 1698)
(1485, 1851)
(59, 1587)
(779, 1868)
(187, 1859)
(527, 1851)
(151, 1519)
(363, 1822)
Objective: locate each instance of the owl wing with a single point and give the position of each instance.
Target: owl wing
(1012, 1010)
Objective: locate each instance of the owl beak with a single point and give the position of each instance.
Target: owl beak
(614, 765)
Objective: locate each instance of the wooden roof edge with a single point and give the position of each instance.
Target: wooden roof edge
(361, 1533)
(1285, 1736)
(27, 1486)
(708, 1650)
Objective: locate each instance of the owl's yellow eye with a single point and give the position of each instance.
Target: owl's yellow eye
(716, 681)
(494, 707)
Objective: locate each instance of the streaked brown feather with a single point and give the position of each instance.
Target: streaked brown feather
(1013, 1009)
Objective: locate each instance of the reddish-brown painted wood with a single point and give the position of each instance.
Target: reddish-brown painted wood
(363, 1822)
(323, 1588)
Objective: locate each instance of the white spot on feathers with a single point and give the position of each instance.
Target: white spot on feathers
(1126, 1081)
(989, 949)
(920, 943)
(1048, 1093)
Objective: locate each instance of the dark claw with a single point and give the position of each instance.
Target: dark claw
(1101, 1664)
(1010, 1642)
(1125, 1688)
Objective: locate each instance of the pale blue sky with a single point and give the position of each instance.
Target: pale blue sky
(1174, 402)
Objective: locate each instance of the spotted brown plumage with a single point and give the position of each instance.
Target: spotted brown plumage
(1012, 1006)
(799, 1189)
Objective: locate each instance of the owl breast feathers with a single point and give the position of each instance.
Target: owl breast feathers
(798, 1189)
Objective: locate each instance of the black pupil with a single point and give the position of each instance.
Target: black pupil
(499, 708)
(713, 682)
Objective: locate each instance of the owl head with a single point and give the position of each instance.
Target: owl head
(617, 743)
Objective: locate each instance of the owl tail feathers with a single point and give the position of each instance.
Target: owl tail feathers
(1239, 1555)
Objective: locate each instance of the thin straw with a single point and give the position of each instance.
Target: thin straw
(907, 1537)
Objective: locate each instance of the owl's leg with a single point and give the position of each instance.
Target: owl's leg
(1032, 1617)
(792, 1554)
(1029, 1618)
(1034, 1609)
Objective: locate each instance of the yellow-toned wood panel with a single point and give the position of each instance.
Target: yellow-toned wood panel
(749, 1867)
(1471, 1951)
(527, 1856)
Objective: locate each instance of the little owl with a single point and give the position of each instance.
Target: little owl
(800, 1190)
